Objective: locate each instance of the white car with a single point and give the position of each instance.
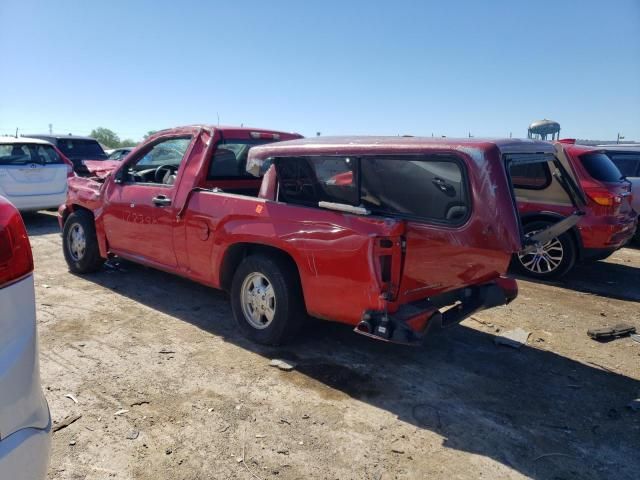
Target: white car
(25, 423)
(33, 173)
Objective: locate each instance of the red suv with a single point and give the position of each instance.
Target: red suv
(608, 220)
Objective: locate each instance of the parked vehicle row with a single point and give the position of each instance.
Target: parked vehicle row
(392, 236)
(75, 148)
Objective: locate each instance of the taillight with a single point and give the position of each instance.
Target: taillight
(70, 171)
(16, 259)
(600, 195)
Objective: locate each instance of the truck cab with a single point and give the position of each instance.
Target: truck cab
(389, 235)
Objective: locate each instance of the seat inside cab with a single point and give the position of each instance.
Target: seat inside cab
(227, 170)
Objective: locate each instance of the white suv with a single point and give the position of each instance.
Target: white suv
(33, 173)
(25, 423)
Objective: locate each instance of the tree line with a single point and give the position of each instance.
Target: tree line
(110, 139)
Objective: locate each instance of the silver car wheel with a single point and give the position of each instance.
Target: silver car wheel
(258, 300)
(77, 242)
(545, 259)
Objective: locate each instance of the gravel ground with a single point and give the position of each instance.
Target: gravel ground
(168, 389)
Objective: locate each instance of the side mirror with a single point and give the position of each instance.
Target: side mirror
(119, 176)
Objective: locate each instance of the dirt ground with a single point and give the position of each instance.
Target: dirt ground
(168, 389)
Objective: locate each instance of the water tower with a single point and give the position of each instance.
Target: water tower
(544, 130)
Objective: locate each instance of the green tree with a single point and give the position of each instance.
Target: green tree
(127, 142)
(106, 137)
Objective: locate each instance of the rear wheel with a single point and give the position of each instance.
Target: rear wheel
(266, 299)
(552, 259)
(80, 243)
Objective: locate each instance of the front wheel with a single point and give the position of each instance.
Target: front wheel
(80, 243)
(549, 261)
(266, 299)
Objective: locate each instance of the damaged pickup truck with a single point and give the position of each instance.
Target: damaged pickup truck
(390, 235)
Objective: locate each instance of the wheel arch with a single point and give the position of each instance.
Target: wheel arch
(100, 234)
(235, 253)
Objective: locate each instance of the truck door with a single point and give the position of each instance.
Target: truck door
(140, 203)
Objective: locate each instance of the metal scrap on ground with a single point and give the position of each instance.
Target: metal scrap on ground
(512, 338)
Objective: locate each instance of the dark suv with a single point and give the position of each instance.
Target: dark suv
(75, 148)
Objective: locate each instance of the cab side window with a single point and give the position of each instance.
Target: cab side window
(159, 164)
(168, 152)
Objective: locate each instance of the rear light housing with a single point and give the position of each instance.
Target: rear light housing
(265, 135)
(16, 259)
(600, 195)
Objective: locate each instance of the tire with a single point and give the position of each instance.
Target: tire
(268, 319)
(79, 259)
(561, 254)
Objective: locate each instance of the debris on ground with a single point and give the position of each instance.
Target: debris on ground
(635, 337)
(133, 434)
(166, 351)
(285, 365)
(66, 422)
(606, 333)
(120, 412)
(512, 338)
(69, 395)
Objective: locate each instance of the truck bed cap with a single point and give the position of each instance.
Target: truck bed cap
(354, 145)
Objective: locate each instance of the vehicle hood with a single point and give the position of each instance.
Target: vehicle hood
(101, 168)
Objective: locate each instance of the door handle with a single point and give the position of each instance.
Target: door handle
(161, 201)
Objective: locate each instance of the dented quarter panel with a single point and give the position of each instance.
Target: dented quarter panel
(330, 249)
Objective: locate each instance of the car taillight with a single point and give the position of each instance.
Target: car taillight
(16, 259)
(601, 195)
(70, 171)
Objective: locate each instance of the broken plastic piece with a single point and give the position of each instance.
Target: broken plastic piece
(616, 331)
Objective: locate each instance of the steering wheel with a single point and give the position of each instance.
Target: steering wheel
(162, 171)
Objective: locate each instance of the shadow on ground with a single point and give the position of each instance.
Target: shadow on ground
(541, 414)
(604, 278)
(41, 223)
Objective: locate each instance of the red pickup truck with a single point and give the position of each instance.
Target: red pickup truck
(390, 235)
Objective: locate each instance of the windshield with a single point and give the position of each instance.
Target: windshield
(25, 153)
(600, 167)
(82, 149)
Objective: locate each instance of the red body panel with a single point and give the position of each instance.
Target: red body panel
(337, 254)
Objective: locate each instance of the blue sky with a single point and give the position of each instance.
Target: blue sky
(337, 67)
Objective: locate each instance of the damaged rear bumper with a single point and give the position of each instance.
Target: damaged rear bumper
(411, 323)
